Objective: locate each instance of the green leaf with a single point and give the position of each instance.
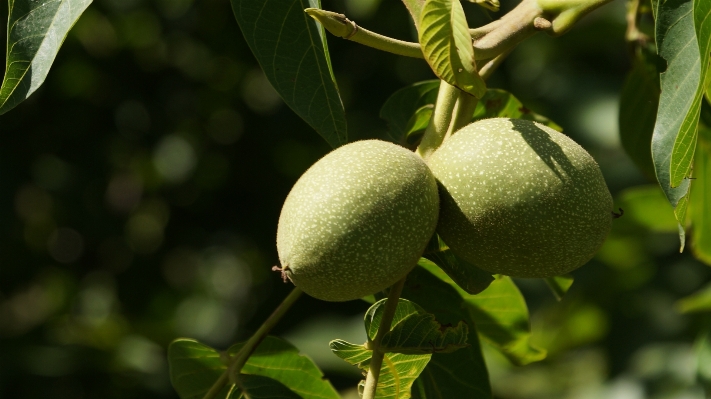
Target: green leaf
(560, 285)
(682, 85)
(400, 107)
(36, 31)
(462, 374)
(646, 207)
(501, 317)
(639, 101)
(700, 206)
(447, 45)
(419, 333)
(194, 367)
(397, 374)
(699, 301)
(467, 276)
(415, 8)
(498, 103)
(417, 124)
(258, 387)
(292, 50)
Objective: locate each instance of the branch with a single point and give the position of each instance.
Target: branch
(239, 360)
(376, 362)
(552, 16)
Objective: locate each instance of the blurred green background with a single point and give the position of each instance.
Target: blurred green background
(140, 190)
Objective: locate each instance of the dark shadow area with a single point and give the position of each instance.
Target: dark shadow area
(550, 152)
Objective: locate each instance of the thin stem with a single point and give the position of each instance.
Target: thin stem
(488, 69)
(343, 27)
(441, 118)
(552, 16)
(262, 332)
(239, 360)
(376, 362)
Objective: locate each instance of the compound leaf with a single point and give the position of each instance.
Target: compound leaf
(36, 31)
(447, 45)
(292, 50)
(276, 369)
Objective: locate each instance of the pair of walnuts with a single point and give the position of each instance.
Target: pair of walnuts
(510, 196)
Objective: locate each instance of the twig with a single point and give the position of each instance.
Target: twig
(376, 362)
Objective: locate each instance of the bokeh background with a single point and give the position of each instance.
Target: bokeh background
(140, 190)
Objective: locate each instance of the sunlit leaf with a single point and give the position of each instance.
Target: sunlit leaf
(682, 88)
(397, 374)
(291, 48)
(700, 207)
(36, 31)
(469, 277)
(415, 8)
(560, 285)
(638, 112)
(462, 374)
(400, 107)
(419, 332)
(283, 372)
(498, 103)
(447, 45)
(699, 301)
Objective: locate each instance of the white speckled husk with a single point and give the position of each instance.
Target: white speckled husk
(521, 199)
(357, 221)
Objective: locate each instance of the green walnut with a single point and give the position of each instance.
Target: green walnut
(519, 198)
(357, 221)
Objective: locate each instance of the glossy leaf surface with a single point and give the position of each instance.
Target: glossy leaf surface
(292, 50)
(447, 45)
(36, 31)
